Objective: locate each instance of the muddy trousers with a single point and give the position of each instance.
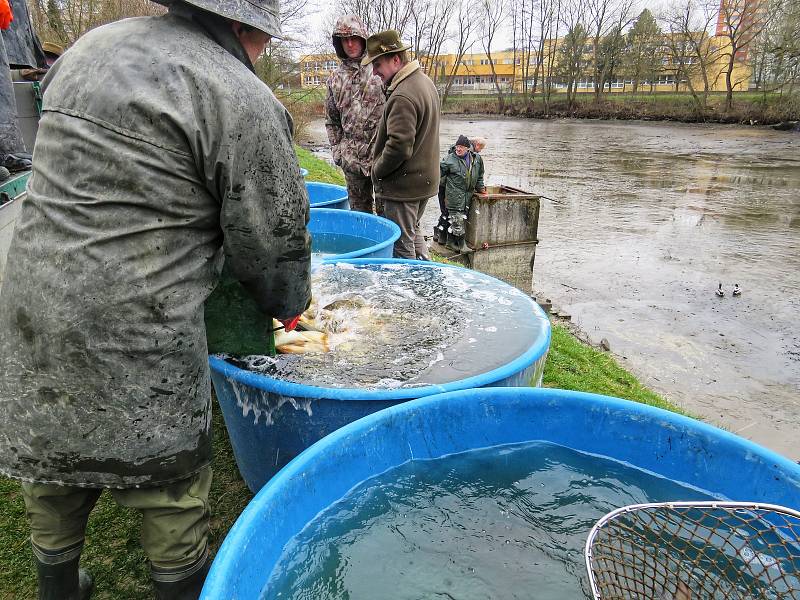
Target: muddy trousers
(407, 216)
(360, 193)
(175, 520)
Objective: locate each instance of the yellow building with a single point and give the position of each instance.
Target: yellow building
(473, 74)
(315, 68)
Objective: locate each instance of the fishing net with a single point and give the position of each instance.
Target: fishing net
(695, 551)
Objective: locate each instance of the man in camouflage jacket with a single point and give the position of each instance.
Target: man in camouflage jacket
(353, 108)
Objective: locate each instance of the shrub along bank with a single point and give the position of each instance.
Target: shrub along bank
(748, 108)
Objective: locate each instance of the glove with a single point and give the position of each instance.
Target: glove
(290, 324)
(5, 14)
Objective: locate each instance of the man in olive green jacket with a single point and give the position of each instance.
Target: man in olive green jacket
(461, 174)
(405, 160)
(160, 156)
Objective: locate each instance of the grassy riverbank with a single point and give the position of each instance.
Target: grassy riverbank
(112, 551)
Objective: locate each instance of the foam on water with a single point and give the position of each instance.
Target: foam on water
(504, 522)
(399, 325)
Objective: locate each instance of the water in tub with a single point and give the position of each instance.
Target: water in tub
(508, 522)
(398, 325)
(333, 244)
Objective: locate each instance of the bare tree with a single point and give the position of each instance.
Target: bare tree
(571, 64)
(691, 46)
(379, 15)
(550, 21)
(741, 21)
(604, 17)
(463, 30)
(64, 21)
(430, 22)
(776, 51)
(493, 15)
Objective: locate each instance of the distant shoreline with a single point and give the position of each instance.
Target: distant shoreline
(751, 111)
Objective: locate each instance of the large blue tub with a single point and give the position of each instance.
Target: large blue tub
(667, 444)
(340, 234)
(270, 420)
(327, 195)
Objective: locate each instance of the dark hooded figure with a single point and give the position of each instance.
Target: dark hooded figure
(160, 156)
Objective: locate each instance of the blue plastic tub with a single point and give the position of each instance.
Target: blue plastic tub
(327, 195)
(340, 234)
(664, 443)
(270, 421)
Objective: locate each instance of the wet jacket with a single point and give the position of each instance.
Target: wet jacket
(160, 156)
(407, 143)
(460, 181)
(353, 106)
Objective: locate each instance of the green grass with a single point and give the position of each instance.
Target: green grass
(573, 365)
(318, 170)
(112, 552)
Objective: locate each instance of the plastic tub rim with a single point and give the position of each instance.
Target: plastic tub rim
(239, 534)
(299, 390)
(324, 203)
(383, 222)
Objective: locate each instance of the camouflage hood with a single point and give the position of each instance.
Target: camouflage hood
(347, 26)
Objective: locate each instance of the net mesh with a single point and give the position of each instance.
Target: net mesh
(695, 551)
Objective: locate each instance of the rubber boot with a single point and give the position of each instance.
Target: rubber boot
(456, 243)
(440, 230)
(62, 580)
(185, 583)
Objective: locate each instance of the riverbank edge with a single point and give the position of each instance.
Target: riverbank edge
(112, 552)
(748, 119)
(782, 113)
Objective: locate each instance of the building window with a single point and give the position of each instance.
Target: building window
(666, 80)
(485, 61)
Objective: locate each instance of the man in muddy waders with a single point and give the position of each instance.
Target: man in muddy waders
(160, 155)
(405, 169)
(353, 108)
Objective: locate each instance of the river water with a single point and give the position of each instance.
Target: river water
(646, 219)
